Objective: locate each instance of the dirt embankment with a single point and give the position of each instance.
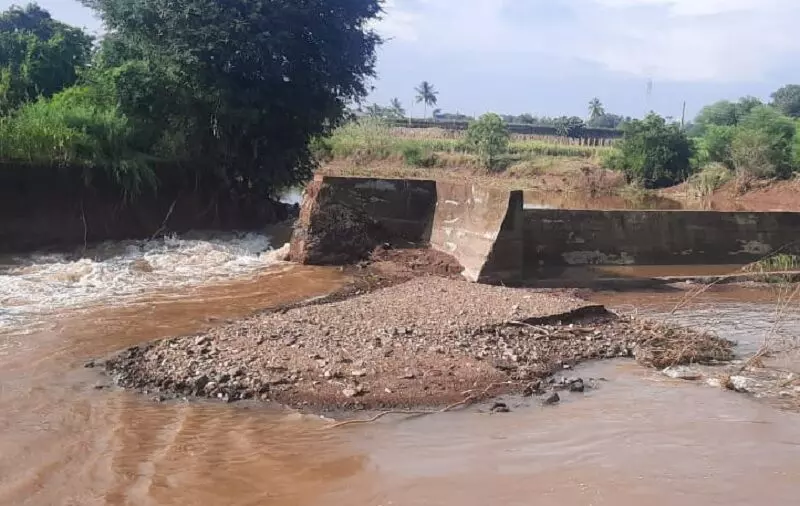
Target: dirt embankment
(429, 341)
(762, 196)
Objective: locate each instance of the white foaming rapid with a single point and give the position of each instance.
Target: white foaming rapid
(121, 271)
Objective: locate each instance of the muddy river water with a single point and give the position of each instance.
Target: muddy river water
(637, 439)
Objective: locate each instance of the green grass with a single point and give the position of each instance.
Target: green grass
(781, 262)
(370, 139)
(74, 136)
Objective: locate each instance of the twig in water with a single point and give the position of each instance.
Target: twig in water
(164, 223)
(467, 401)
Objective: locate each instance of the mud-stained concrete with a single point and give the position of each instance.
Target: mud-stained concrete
(496, 240)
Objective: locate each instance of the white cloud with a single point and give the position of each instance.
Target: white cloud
(675, 40)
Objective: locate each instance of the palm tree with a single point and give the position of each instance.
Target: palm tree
(397, 108)
(427, 95)
(596, 109)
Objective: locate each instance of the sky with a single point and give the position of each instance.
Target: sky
(550, 57)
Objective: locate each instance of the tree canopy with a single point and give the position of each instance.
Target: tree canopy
(787, 100)
(655, 153)
(38, 55)
(246, 83)
(596, 109)
(427, 95)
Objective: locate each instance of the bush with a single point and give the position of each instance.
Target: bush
(321, 149)
(709, 178)
(763, 144)
(416, 157)
(653, 153)
(71, 133)
(488, 137)
(752, 156)
(718, 142)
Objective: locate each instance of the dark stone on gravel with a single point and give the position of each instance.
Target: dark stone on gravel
(577, 386)
(500, 407)
(551, 399)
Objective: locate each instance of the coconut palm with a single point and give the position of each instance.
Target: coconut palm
(397, 108)
(427, 95)
(596, 109)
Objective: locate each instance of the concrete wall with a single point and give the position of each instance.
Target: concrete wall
(571, 237)
(481, 228)
(490, 234)
(42, 219)
(343, 219)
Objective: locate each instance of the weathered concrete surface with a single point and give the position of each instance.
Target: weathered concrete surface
(343, 219)
(48, 218)
(495, 240)
(556, 237)
(481, 228)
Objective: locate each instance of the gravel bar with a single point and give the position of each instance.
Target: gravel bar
(426, 342)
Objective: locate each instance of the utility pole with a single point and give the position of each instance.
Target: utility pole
(683, 115)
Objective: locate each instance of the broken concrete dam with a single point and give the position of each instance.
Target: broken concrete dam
(497, 240)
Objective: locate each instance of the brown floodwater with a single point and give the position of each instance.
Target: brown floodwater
(636, 439)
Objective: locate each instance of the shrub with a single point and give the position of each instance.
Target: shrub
(75, 134)
(654, 153)
(718, 141)
(752, 155)
(321, 149)
(416, 157)
(488, 137)
(763, 144)
(709, 178)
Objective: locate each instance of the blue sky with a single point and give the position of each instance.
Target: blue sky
(549, 57)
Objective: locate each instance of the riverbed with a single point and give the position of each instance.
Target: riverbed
(67, 438)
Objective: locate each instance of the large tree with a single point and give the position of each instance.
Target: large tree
(250, 81)
(38, 55)
(787, 100)
(427, 95)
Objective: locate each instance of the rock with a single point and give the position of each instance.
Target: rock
(201, 382)
(408, 376)
(552, 399)
(742, 384)
(532, 388)
(714, 382)
(577, 386)
(500, 407)
(89, 364)
(682, 372)
(359, 373)
(349, 392)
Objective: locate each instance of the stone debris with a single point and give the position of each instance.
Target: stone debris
(683, 372)
(421, 343)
